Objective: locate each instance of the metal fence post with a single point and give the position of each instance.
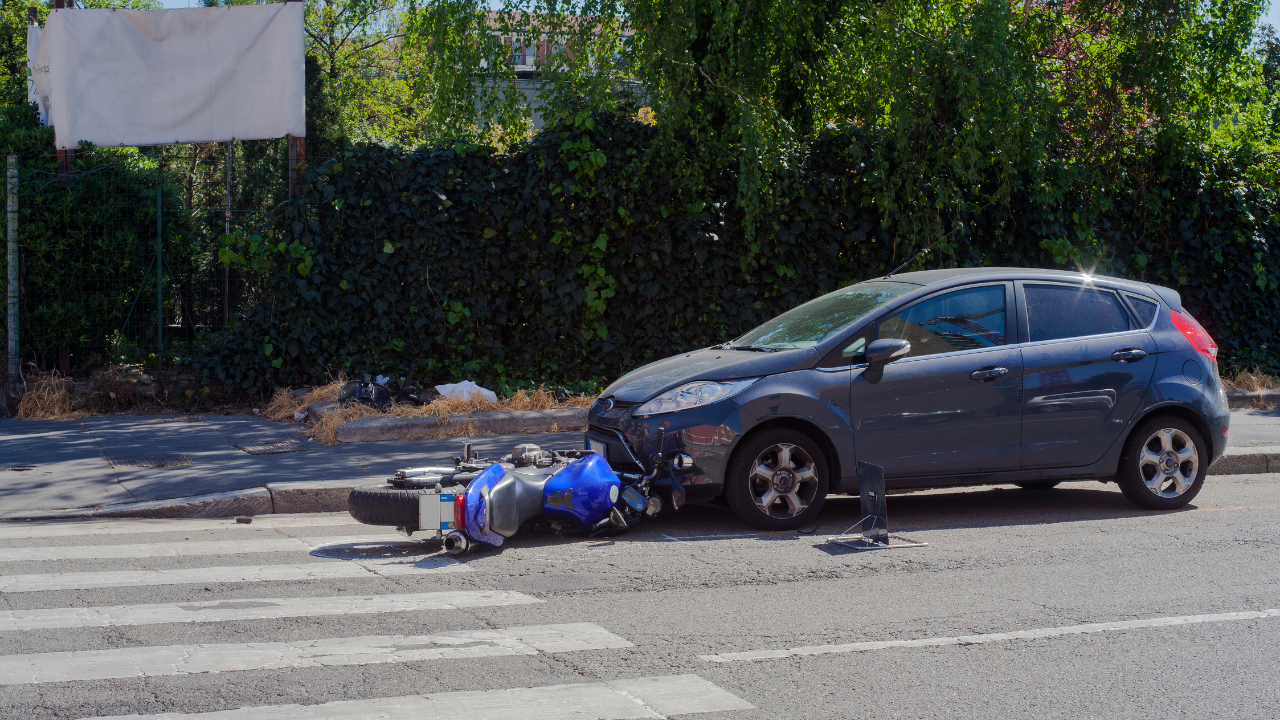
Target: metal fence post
(226, 270)
(159, 280)
(11, 190)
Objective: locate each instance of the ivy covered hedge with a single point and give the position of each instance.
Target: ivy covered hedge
(589, 251)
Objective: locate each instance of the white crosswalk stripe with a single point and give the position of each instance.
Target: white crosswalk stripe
(320, 559)
(230, 657)
(78, 528)
(253, 609)
(331, 570)
(188, 548)
(646, 697)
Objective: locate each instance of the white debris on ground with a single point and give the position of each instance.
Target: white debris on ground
(465, 390)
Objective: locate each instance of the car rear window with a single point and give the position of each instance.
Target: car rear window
(961, 320)
(1145, 308)
(1055, 312)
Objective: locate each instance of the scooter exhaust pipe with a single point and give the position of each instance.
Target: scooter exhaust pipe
(455, 543)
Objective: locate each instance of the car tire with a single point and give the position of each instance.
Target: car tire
(385, 505)
(777, 480)
(1038, 486)
(1163, 464)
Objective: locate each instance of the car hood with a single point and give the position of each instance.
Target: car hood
(710, 364)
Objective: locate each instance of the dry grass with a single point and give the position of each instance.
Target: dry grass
(326, 431)
(111, 391)
(1251, 381)
(443, 408)
(283, 404)
(49, 398)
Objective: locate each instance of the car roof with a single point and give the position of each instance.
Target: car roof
(950, 276)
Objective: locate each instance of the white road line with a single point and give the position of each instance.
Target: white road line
(24, 530)
(646, 697)
(253, 609)
(229, 574)
(1035, 634)
(188, 548)
(231, 657)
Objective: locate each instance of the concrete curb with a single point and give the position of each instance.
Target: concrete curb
(256, 501)
(1242, 399)
(376, 429)
(1247, 461)
(303, 496)
(308, 496)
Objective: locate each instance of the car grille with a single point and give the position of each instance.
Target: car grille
(615, 452)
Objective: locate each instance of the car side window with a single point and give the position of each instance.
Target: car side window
(852, 352)
(1145, 308)
(960, 320)
(1055, 312)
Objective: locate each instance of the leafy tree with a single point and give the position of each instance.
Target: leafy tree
(369, 76)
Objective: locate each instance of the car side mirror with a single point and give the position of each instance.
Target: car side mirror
(886, 350)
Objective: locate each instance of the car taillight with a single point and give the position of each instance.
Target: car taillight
(460, 512)
(1195, 334)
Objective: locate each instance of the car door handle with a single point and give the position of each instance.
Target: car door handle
(1128, 355)
(989, 373)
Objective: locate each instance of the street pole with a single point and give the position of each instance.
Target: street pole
(159, 281)
(13, 367)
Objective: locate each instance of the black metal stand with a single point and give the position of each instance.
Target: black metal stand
(875, 516)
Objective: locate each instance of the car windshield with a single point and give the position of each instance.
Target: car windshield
(813, 321)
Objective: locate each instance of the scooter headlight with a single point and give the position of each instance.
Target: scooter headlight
(692, 395)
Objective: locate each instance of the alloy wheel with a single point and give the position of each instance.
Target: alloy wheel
(1169, 462)
(784, 480)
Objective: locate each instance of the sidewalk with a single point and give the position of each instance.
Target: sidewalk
(70, 467)
(96, 466)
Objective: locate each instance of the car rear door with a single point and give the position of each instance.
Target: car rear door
(953, 404)
(1088, 364)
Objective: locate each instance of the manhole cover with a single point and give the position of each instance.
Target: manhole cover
(149, 461)
(271, 447)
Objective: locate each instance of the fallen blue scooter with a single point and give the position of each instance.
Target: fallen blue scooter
(485, 501)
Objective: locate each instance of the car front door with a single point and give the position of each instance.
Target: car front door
(953, 404)
(1088, 364)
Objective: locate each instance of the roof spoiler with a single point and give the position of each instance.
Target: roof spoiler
(1169, 296)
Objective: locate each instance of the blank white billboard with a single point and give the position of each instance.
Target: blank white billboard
(165, 77)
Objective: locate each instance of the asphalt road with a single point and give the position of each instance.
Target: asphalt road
(1066, 603)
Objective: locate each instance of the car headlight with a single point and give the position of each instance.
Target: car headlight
(692, 395)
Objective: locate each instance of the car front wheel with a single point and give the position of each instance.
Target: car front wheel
(777, 480)
(1163, 464)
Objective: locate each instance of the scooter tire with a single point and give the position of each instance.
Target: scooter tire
(385, 505)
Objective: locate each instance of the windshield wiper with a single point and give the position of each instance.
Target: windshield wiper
(755, 348)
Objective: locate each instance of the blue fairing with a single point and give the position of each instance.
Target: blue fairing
(475, 508)
(582, 493)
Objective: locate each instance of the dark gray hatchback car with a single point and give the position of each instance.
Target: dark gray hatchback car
(944, 378)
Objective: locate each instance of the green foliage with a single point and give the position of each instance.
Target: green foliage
(579, 256)
(362, 78)
(79, 241)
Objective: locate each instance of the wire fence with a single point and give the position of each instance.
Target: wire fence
(119, 251)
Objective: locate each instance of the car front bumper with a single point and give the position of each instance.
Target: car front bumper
(706, 434)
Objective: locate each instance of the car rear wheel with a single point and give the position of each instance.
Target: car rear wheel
(1163, 464)
(777, 480)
